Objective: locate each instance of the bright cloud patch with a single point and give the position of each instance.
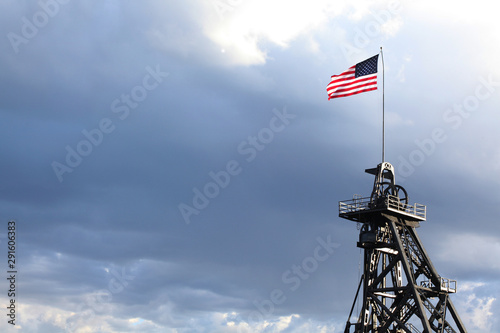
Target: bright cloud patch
(241, 28)
(476, 309)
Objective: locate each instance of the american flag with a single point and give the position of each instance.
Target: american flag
(357, 79)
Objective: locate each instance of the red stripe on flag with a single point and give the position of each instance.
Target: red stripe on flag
(352, 93)
(346, 84)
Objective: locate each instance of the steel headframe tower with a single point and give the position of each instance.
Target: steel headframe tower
(401, 289)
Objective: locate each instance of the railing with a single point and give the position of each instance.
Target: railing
(416, 209)
(359, 205)
(450, 286)
(354, 205)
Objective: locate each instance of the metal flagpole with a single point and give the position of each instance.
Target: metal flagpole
(383, 107)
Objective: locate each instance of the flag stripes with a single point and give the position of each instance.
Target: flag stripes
(348, 83)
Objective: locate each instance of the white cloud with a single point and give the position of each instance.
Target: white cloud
(44, 318)
(476, 311)
(479, 312)
(242, 29)
(469, 286)
(294, 323)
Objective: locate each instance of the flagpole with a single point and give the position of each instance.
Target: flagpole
(383, 107)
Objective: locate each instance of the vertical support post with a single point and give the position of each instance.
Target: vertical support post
(364, 309)
(383, 105)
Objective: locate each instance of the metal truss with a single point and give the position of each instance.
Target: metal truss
(402, 291)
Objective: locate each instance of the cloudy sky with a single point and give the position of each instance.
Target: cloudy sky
(175, 166)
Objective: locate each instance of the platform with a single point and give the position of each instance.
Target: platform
(361, 209)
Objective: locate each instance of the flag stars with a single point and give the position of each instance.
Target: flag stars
(369, 66)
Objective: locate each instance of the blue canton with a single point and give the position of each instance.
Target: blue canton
(369, 66)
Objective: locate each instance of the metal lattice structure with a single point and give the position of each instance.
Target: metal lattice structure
(401, 290)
